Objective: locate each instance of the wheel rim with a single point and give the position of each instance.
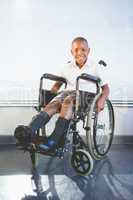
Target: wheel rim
(82, 162)
(103, 131)
(93, 147)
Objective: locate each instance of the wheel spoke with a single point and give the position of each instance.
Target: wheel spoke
(101, 124)
(82, 162)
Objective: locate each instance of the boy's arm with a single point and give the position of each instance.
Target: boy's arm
(103, 97)
(105, 91)
(56, 87)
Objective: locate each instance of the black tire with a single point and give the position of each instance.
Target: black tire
(100, 135)
(103, 148)
(82, 162)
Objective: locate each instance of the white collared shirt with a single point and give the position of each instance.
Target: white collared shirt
(71, 71)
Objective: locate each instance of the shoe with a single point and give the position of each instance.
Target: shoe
(23, 135)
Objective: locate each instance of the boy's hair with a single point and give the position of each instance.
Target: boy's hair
(80, 39)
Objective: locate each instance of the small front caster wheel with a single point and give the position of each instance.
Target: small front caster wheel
(82, 162)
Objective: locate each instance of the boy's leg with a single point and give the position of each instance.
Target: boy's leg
(44, 116)
(62, 124)
(26, 134)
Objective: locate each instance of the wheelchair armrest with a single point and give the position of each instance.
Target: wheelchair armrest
(89, 77)
(54, 78)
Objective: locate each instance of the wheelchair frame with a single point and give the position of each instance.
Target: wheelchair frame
(82, 153)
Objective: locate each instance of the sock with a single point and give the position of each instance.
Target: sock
(39, 121)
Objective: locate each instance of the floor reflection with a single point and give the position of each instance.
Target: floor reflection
(54, 179)
(103, 181)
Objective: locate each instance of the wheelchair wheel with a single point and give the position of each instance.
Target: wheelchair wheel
(100, 135)
(82, 162)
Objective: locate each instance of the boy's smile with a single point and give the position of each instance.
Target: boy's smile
(80, 52)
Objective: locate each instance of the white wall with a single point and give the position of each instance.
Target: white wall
(35, 37)
(11, 117)
(123, 121)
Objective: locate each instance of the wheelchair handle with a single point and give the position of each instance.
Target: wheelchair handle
(88, 77)
(101, 62)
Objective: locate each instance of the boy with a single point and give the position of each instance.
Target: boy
(63, 103)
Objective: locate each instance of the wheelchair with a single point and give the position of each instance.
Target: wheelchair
(98, 128)
(90, 134)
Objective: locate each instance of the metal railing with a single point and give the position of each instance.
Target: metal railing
(34, 102)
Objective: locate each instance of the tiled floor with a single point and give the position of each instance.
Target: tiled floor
(111, 179)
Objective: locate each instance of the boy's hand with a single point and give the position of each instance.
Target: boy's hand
(56, 87)
(102, 98)
(100, 104)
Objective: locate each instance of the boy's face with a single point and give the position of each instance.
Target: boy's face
(80, 52)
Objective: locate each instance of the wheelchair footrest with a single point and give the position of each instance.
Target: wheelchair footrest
(57, 152)
(36, 148)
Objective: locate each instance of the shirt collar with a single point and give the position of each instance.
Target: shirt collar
(84, 66)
